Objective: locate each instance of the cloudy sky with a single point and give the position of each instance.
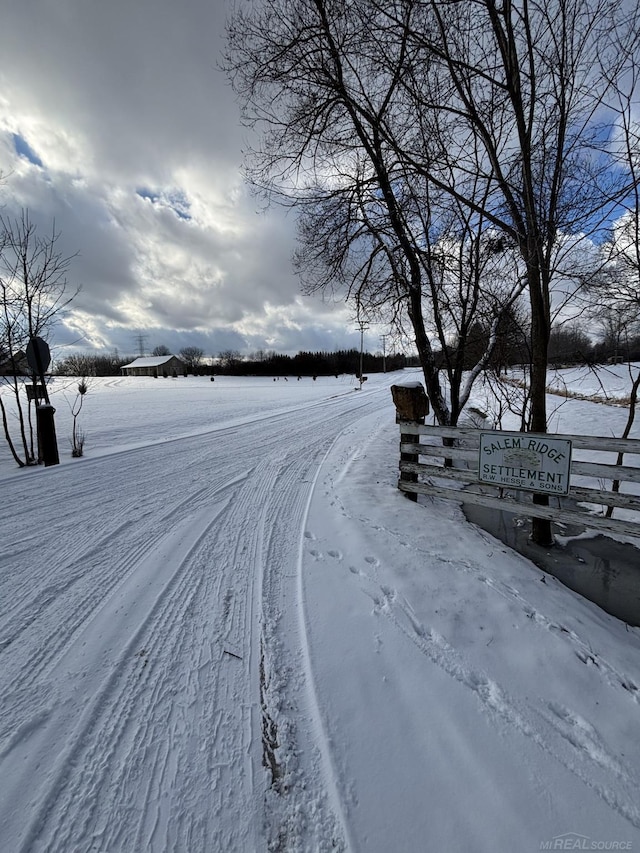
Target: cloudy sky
(116, 122)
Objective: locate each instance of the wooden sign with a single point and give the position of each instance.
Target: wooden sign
(534, 462)
(36, 392)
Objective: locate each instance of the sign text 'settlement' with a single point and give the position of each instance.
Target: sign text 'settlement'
(537, 463)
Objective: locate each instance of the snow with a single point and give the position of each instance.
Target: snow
(150, 361)
(225, 629)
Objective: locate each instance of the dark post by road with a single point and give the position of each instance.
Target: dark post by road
(47, 444)
(412, 404)
(39, 359)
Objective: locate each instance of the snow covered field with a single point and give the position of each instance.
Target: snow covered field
(224, 629)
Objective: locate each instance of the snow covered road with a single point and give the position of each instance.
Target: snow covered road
(139, 636)
(226, 630)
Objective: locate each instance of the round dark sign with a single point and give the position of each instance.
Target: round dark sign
(38, 355)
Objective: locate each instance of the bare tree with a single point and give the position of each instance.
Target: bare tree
(614, 294)
(192, 357)
(161, 350)
(229, 359)
(33, 294)
(76, 364)
(371, 223)
(94, 364)
(537, 88)
(385, 108)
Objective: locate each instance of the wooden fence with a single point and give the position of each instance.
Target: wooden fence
(424, 449)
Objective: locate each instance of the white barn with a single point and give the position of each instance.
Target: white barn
(155, 365)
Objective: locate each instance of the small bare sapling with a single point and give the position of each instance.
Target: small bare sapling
(78, 435)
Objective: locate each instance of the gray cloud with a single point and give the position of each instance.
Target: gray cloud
(115, 121)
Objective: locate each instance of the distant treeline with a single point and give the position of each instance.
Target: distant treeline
(569, 345)
(231, 363)
(103, 364)
(308, 364)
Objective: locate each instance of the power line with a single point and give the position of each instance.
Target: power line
(141, 341)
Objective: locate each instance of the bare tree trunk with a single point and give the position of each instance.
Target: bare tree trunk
(427, 360)
(7, 435)
(28, 457)
(540, 328)
(615, 487)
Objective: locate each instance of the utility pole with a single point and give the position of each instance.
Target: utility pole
(362, 324)
(383, 338)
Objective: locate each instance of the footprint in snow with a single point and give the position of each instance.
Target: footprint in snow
(389, 592)
(335, 554)
(582, 735)
(373, 561)
(560, 629)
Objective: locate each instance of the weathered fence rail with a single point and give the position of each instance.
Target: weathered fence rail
(444, 462)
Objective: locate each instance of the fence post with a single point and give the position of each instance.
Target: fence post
(412, 406)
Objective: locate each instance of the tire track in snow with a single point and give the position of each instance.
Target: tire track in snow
(154, 740)
(91, 578)
(330, 771)
(121, 739)
(120, 631)
(287, 704)
(303, 815)
(157, 757)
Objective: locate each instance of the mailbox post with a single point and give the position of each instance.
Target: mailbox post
(412, 404)
(39, 358)
(47, 444)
